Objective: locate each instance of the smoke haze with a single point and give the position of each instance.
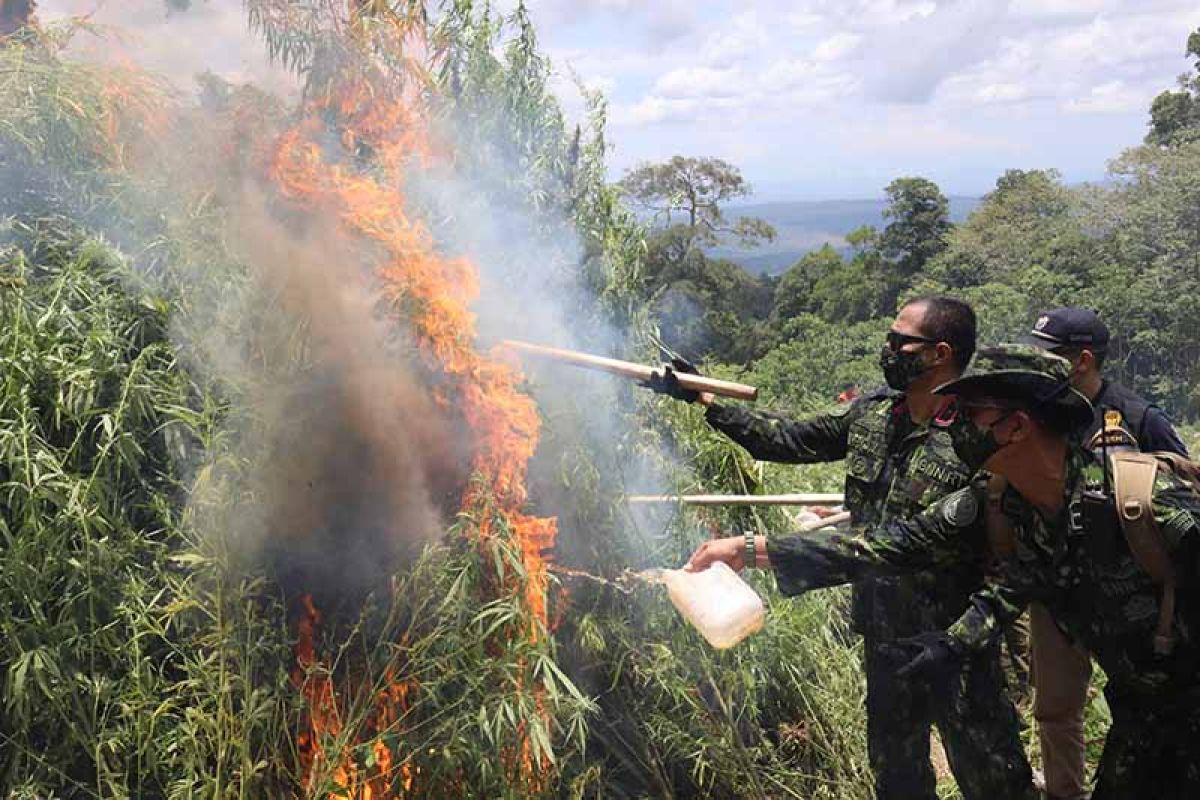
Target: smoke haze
(352, 464)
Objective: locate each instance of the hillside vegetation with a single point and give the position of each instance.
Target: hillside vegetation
(276, 520)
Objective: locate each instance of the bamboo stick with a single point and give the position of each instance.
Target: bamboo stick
(629, 369)
(740, 499)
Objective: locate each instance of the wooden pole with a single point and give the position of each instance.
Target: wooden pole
(740, 499)
(629, 369)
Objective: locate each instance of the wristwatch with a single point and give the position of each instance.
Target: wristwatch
(751, 554)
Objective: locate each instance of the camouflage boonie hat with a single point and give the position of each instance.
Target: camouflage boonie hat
(1027, 375)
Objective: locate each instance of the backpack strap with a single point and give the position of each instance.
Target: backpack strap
(1133, 484)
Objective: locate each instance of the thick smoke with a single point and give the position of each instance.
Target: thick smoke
(363, 466)
(532, 288)
(352, 465)
(204, 35)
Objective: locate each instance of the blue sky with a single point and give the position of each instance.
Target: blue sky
(834, 98)
(812, 99)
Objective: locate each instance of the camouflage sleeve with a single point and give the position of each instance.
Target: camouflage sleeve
(1029, 573)
(770, 437)
(949, 531)
(989, 610)
(1177, 512)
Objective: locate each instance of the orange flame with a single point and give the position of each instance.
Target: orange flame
(436, 294)
(324, 720)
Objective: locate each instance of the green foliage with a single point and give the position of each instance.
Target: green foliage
(1029, 220)
(705, 307)
(919, 217)
(113, 685)
(1175, 116)
(817, 359)
(1146, 286)
(835, 289)
(793, 294)
(64, 119)
(146, 648)
(779, 716)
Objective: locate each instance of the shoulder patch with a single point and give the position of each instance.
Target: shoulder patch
(960, 508)
(1113, 419)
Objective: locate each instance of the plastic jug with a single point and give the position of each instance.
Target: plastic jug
(717, 602)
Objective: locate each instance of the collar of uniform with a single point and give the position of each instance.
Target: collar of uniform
(900, 406)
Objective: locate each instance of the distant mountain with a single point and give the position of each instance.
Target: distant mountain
(804, 226)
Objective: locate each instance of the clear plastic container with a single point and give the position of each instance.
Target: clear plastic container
(717, 602)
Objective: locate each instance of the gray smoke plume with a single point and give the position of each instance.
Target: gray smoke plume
(363, 467)
(348, 465)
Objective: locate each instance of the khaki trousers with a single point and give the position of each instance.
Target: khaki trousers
(1061, 672)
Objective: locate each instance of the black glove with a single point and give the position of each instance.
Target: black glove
(933, 658)
(666, 383)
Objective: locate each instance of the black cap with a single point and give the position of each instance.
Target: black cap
(1068, 327)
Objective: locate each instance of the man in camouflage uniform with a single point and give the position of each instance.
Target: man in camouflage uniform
(1062, 668)
(1017, 413)
(898, 463)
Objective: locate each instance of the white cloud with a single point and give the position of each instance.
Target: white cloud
(1002, 93)
(911, 59)
(700, 82)
(789, 73)
(881, 13)
(658, 21)
(744, 36)
(803, 21)
(1051, 9)
(884, 80)
(836, 47)
(1114, 97)
(877, 88)
(653, 110)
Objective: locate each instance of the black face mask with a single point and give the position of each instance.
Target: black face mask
(900, 369)
(974, 445)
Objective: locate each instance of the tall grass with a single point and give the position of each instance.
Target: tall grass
(143, 653)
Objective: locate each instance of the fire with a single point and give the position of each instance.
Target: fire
(436, 294)
(324, 719)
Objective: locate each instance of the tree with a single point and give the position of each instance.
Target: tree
(793, 295)
(1175, 116)
(696, 188)
(1148, 285)
(862, 239)
(1029, 219)
(704, 307)
(920, 222)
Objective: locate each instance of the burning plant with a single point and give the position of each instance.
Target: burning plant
(362, 130)
(270, 523)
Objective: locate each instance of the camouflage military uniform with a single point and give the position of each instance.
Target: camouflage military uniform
(1092, 586)
(894, 469)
